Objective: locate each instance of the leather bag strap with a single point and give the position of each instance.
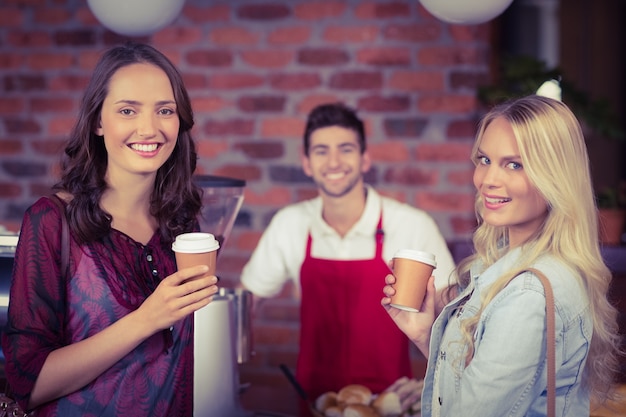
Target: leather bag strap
(550, 340)
(65, 236)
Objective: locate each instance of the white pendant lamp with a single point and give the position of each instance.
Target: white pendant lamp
(465, 12)
(135, 17)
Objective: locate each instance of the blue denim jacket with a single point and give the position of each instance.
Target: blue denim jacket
(507, 374)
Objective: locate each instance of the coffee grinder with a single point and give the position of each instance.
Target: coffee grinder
(222, 328)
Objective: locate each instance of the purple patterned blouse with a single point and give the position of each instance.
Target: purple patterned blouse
(107, 280)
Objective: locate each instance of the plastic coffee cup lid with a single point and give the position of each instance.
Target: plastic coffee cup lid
(195, 243)
(416, 255)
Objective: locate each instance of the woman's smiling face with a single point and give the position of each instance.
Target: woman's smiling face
(508, 197)
(138, 120)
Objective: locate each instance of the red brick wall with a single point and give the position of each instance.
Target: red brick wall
(254, 70)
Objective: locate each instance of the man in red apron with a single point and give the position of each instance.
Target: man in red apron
(345, 338)
(336, 247)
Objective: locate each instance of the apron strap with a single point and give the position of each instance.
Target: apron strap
(380, 236)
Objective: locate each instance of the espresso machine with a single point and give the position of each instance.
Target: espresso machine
(8, 244)
(222, 328)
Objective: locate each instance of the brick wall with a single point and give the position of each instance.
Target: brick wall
(254, 70)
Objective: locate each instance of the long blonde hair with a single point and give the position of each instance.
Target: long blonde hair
(554, 156)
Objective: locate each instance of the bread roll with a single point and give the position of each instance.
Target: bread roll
(387, 404)
(327, 399)
(333, 411)
(354, 394)
(359, 410)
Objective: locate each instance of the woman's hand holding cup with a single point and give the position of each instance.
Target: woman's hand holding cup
(177, 296)
(410, 295)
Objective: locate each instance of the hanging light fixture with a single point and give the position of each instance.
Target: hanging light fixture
(135, 17)
(465, 12)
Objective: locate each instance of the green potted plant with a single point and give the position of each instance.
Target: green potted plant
(522, 75)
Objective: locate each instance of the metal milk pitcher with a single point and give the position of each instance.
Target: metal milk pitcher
(242, 301)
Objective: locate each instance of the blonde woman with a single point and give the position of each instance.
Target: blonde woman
(535, 208)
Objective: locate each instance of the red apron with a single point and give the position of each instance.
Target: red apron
(346, 336)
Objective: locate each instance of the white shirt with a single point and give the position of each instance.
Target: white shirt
(281, 250)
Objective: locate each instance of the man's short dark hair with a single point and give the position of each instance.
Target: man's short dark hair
(333, 114)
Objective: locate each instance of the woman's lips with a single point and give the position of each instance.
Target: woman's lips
(495, 202)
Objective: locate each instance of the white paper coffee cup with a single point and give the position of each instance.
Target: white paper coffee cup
(196, 248)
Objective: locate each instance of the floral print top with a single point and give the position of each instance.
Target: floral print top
(107, 280)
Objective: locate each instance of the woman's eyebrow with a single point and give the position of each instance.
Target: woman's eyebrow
(139, 103)
(505, 157)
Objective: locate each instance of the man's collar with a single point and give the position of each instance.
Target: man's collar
(368, 221)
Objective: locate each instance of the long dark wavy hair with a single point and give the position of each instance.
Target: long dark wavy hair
(175, 201)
